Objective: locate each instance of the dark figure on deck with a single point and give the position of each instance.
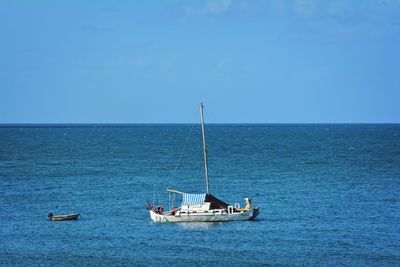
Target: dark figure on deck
(160, 209)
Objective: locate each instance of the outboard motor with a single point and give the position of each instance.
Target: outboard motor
(50, 215)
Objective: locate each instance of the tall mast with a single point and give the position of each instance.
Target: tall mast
(204, 146)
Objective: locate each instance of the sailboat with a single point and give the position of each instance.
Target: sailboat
(202, 207)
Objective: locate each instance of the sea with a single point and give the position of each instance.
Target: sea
(329, 194)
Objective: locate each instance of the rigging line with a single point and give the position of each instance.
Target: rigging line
(172, 176)
(169, 201)
(154, 194)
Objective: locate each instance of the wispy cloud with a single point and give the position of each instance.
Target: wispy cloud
(390, 2)
(212, 7)
(333, 20)
(340, 8)
(218, 6)
(305, 8)
(221, 65)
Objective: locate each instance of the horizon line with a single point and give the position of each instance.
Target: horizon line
(2, 124)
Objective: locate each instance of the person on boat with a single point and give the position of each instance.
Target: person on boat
(160, 209)
(248, 205)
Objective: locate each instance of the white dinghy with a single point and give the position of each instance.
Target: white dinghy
(203, 207)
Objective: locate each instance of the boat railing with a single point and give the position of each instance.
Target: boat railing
(230, 209)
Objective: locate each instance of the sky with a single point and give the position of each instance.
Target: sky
(299, 61)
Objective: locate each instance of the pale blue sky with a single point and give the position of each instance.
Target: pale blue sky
(154, 61)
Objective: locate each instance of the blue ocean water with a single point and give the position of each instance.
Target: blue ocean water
(329, 194)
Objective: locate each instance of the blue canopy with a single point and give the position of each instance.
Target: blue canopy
(193, 199)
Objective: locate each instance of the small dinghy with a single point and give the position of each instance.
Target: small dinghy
(63, 217)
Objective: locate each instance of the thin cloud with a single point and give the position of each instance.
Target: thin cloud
(213, 7)
(340, 8)
(221, 65)
(305, 8)
(218, 6)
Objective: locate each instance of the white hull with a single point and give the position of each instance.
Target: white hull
(206, 217)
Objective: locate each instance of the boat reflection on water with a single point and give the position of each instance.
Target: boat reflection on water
(198, 225)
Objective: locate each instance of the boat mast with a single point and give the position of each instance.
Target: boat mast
(204, 146)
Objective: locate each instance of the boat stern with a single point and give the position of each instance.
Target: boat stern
(254, 213)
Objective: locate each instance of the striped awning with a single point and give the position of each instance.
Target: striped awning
(193, 199)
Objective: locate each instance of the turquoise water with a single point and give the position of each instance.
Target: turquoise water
(329, 194)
